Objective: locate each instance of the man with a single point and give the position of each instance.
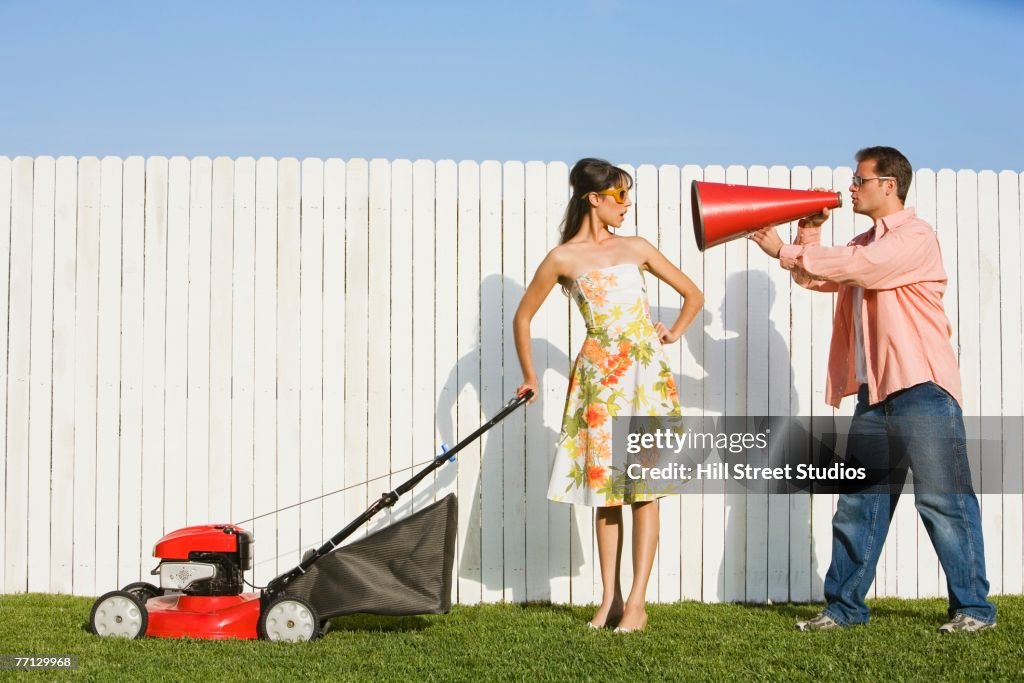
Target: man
(890, 346)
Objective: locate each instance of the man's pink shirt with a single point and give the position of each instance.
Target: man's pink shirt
(898, 263)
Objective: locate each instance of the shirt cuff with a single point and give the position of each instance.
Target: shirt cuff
(789, 254)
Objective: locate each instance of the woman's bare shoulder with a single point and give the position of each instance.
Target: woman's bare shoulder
(563, 256)
(563, 262)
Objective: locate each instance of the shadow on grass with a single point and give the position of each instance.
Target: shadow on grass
(460, 613)
(917, 612)
(548, 607)
(788, 610)
(378, 623)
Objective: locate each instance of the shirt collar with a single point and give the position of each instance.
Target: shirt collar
(893, 221)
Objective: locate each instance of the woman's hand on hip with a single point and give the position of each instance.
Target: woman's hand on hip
(665, 335)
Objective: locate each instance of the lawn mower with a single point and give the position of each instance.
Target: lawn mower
(403, 569)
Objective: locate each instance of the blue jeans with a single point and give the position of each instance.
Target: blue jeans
(948, 507)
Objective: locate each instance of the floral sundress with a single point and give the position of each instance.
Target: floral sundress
(622, 370)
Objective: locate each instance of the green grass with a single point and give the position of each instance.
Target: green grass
(685, 641)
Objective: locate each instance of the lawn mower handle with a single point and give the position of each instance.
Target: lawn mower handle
(389, 498)
(449, 455)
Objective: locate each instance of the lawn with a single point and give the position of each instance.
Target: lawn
(685, 641)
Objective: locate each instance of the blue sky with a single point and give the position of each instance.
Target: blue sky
(717, 82)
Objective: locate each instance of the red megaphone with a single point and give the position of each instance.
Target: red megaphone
(723, 212)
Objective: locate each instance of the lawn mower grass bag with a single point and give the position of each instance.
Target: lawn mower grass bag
(401, 570)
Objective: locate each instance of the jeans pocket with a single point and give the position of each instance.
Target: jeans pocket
(949, 402)
(961, 469)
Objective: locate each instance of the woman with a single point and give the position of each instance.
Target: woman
(621, 370)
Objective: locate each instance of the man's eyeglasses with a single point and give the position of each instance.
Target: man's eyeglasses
(860, 180)
(619, 193)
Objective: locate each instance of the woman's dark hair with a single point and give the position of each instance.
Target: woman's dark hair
(588, 175)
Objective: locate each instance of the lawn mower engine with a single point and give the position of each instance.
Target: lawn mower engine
(200, 594)
(204, 560)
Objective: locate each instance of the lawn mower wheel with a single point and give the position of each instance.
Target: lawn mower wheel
(118, 614)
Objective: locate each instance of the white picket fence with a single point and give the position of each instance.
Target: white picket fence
(194, 341)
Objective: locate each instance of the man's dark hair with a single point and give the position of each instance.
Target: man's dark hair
(889, 161)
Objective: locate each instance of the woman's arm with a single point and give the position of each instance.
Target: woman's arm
(667, 272)
(540, 286)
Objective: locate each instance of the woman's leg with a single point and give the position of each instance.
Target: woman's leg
(608, 528)
(646, 526)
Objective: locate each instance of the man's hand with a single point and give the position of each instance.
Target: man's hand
(769, 241)
(817, 219)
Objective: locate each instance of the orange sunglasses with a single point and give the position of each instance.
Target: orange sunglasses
(619, 193)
